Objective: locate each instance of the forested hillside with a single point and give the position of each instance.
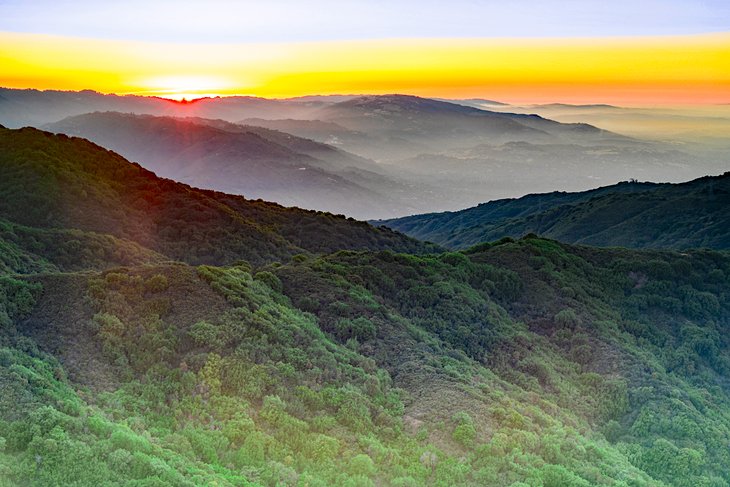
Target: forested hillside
(53, 181)
(629, 214)
(525, 361)
(140, 347)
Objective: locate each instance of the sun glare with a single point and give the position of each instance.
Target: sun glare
(634, 71)
(185, 87)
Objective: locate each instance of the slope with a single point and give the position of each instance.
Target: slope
(524, 363)
(433, 155)
(53, 181)
(252, 161)
(692, 214)
(438, 125)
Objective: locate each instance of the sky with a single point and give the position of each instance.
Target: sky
(631, 52)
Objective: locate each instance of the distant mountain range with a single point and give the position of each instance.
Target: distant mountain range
(415, 119)
(473, 102)
(369, 157)
(693, 128)
(34, 107)
(253, 161)
(409, 125)
(630, 214)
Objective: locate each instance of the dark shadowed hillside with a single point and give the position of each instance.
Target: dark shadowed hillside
(693, 214)
(53, 181)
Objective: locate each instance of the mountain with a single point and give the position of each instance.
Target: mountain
(528, 361)
(692, 214)
(155, 334)
(53, 181)
(431, 155)
(473, 155)
(331, 157)
(410, 125)
(474, 102)
(465, 176)
(328, 133)
(253, 161)
(263, 163)
(389, 116)
(19, 108)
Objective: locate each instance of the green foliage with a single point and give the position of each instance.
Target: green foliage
(156, 284)
(206, 335)
(359, 328)
(464, 432)
(522, 362)
(270, 280)
(26, 250)
(16, 299)
(628, 214)
(362, 465)
(55, 182)
(567, 318)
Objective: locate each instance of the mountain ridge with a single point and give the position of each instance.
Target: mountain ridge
(629, 214)
(70, 180)
(253, 161)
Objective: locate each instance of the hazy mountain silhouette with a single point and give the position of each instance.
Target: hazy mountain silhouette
(34, 107)
(252, 161)
(433, 155)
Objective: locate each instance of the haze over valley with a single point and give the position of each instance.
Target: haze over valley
(375, 157)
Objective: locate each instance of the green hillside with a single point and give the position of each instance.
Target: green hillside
(641, 215)
(526, 362)
(53, 181)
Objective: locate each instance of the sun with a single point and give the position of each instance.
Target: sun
(185, 87)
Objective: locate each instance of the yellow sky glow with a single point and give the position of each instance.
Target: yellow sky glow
(641, 70)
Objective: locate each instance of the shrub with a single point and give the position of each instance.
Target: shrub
(464, 433)
(206, 334)
(156, 284)
(270, 280)
(362, 464)
(359, 328)
(567, 318)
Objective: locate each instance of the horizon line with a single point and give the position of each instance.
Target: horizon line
(190, 98)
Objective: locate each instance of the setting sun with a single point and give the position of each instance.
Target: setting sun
(184, 87)
(636, 70)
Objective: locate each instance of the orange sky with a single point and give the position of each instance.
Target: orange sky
(621, 70)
